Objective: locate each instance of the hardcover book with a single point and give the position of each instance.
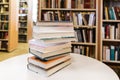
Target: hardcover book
(47, 64)
(48, 72)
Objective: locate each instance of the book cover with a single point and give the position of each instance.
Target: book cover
(47, 64)
(50, 55)
(112, 52)
(45, 48)
(48, 72)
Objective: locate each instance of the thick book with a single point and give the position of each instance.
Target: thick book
(50, 55)
(48, 72)
(57, 40)
(41, 32)
(45, 48)
(47, 64)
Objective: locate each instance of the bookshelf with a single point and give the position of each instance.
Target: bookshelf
(8, 25)
(25, 20)
(110, 31)
(68, 11)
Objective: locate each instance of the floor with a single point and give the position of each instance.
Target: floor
(23, 49)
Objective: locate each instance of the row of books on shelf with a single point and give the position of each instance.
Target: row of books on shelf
(22, 38)
(4, 26)
(3, 35)
(22, 31)
(85, 35)
(84, 50)
(3, 45)
(56, 16)
(23, 4)
(111, 13)
(51, 57)
(4, 17)
(68, 4)
(111, 53)
(23, 24)
(84, 18)
(111, 31)
(4, 1)
(4, 8)
(23, 17)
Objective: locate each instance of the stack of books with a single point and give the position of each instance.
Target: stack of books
(51, 47)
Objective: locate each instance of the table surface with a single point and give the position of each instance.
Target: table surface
(81, 68)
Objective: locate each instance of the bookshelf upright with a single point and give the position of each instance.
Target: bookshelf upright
(25, 20)
(110, 31)
(70, 11)
(8, 25)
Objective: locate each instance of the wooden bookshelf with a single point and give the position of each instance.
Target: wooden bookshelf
(8, 25)
(110, 29)
(64, 11)
(25, 20)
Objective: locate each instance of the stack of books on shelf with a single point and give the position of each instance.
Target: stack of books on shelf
(50, 47)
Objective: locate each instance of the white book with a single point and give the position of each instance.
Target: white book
(53, 35)
(50, 54)
(80, 19)
(68, 4)
(47, 64)
(107, 54)
(103, 32)
(52, 29)
(91, 19)
(112, 32)
(52, 32)
(45, 48)
(57, 40)
(48, 72)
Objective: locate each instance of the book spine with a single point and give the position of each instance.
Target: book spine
(112, 52)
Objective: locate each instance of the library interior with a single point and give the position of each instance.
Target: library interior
(46, 38)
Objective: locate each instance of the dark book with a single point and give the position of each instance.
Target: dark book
(117, 11)
(118, 55)
(86, 16)
(79, 35)
(73, 3)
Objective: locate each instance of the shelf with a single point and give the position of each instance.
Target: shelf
(4, 21)
(111, 40)
(23, 34)
(22, 20)
(22, 8)
(111, 20)
(3, 39)
(4, 13)
(23, 27)
(83, 43)
(23, 14)
(111, 61)
(4, 3)
(2, 49)
(67, 9)
(3, 30)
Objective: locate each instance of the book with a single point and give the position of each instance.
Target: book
(47, 64)
(48, 72)
(50, 55)
(45, 48)
(57, 40)
(112, 52)
(55, 31)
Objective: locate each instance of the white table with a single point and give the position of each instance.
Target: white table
(82, 68)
